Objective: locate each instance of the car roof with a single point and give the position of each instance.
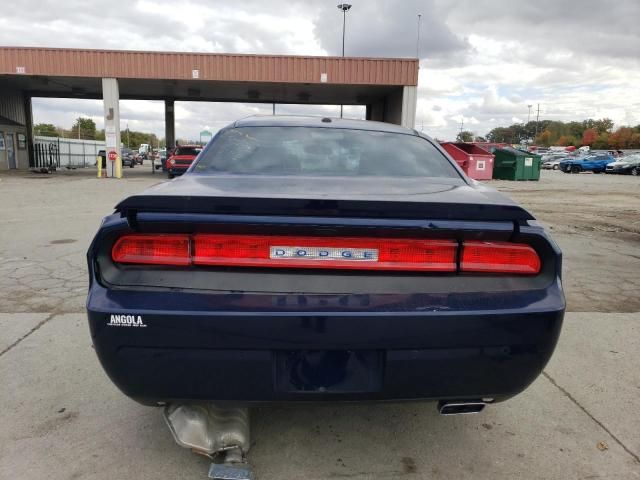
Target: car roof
(321, 122)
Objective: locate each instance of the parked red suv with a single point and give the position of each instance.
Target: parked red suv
(181, 159)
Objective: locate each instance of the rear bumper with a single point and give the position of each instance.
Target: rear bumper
(619, 170)
(188, 352)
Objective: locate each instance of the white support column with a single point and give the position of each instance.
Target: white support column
(409, 104)
(111, 99)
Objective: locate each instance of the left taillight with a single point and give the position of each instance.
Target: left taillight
(170, 249)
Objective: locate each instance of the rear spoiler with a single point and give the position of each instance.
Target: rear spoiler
(322, 208)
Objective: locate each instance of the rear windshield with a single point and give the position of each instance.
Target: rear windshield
(187, 151)
(316, 151)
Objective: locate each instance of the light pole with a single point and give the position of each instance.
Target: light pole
(528, 120)
(418, 40)
(345, 8)
(535, 135)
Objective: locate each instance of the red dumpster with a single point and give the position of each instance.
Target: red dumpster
(476, 162)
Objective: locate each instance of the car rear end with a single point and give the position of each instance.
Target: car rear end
(210, 289)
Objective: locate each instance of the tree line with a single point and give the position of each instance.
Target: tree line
(597, 134)
(85, 129)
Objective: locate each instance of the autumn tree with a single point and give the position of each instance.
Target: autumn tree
(601, 142)
(544, 138)
(572, 133)
(589, 136)
(621, 138)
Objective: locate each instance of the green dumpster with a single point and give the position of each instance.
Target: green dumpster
(512, 164)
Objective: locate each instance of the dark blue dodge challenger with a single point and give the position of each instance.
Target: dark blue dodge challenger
(317, 259)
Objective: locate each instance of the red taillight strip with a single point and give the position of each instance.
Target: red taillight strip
(499, 257)
(351, 253)
(170, 249)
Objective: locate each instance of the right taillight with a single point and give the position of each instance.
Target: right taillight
(499, 257)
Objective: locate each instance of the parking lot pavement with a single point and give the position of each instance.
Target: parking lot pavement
(48, 222)
(15, 326)
(62, 418)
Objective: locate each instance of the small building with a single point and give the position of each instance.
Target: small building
(14, 153)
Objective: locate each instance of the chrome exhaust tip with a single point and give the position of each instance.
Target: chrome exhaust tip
(460, 407)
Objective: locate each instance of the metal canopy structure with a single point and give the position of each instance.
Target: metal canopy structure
(52, 72)
(387, 86)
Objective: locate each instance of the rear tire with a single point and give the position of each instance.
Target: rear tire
(170, 175)
(576, 169)
(555, 167)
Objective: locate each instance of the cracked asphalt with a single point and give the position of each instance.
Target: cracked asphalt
(63, 419)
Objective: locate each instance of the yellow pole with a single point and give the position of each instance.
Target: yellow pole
(99, 164)
(118, 167)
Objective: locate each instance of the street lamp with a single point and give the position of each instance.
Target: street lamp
(528, 120)
(345, 8)
(418, 40)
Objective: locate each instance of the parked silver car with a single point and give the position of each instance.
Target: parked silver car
(625, 165)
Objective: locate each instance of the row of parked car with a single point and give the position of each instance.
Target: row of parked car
(131, 158)
(594, 162)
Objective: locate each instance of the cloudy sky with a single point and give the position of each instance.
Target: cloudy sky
(482, 62)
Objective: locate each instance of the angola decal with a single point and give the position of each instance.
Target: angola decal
(126, 321)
